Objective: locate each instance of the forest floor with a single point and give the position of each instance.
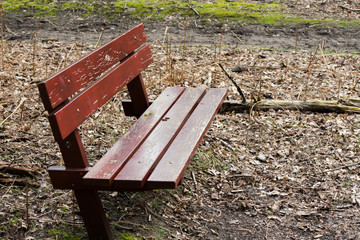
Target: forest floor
(260, 175)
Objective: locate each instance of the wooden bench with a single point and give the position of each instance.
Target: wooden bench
(155, 151)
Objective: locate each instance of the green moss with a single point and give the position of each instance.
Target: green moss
(62, 233)
(13, 221)
(69, 6)
(161, 230)
(236, 11)
(205, 160)
(64, 208)
(126, 236)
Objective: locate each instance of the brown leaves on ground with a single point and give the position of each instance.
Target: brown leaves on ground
(268, 175)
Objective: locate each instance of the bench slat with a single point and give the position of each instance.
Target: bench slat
(69, 117)
(171, 167)
(139, 167)
(111, 163)
(61, 86)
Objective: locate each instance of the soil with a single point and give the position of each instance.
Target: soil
(72, 29)
(263, 175)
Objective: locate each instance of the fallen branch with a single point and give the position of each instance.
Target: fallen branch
(350, 9)
(341, 106)
(18, 182)
(350, 102)
(20, 171)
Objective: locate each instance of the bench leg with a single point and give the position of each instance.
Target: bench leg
(138, 96)
(93, 214)
(181, 181)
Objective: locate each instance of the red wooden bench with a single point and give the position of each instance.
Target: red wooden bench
(156, 150)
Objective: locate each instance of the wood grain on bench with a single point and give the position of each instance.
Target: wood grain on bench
(111, 163)
(136, 171)
(172, 165)
(70, 116)
(62, 85)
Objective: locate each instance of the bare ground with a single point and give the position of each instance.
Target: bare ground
(263, 175)
(198, 32)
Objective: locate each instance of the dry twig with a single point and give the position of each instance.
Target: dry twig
(27, 205)
(184, 49)
(2, 36)
(356, 83)
(242, 42)
(225, 143)
(194, 179)
(8, 189)
(194, 10)
(233, 81)
(18, 106)
(100, 37)
(34, 49)
(308, 73)
(220, 44)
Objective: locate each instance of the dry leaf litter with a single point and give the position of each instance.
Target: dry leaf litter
(275, 174)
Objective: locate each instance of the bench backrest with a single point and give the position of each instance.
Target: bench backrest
(73, 94)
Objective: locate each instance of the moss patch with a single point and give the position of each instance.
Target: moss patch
(239, 11)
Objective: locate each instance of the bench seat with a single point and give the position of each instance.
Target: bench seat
(156, 150)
